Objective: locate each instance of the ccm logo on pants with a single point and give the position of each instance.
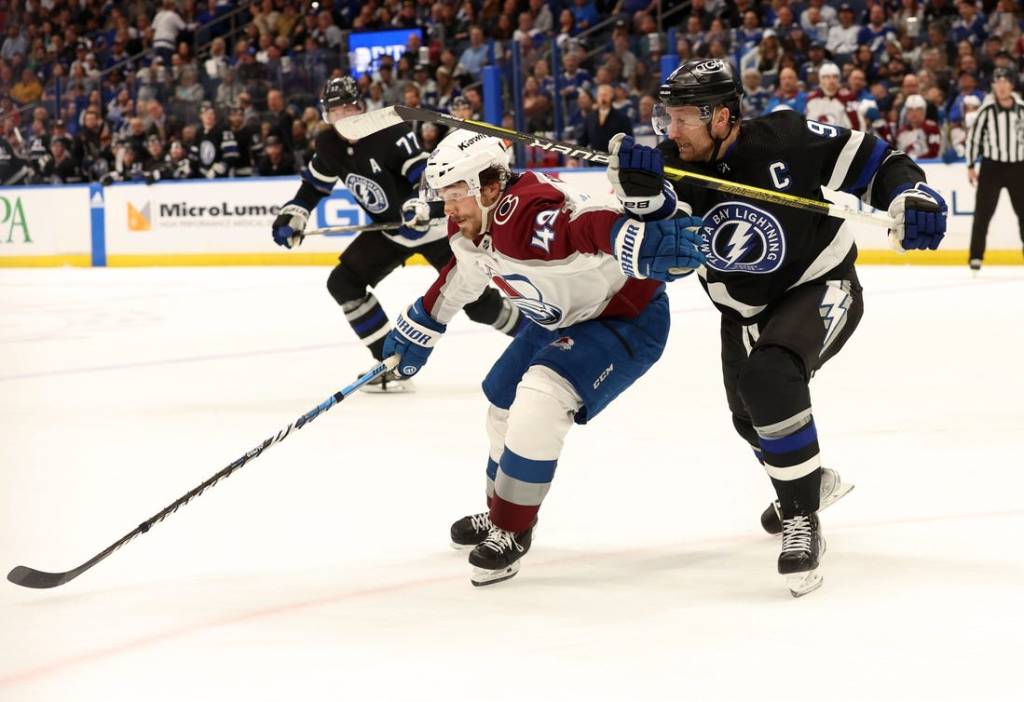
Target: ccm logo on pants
(601, 378)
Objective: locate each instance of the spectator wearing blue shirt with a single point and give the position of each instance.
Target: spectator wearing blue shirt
(877, 33)
(968, 84)
(970, 26)
(585, 15)
(574, 78)
(474, 58)
(755, 96)
(747, 37)
(789, 95)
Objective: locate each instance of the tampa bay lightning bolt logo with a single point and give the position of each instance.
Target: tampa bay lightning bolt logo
(742, 238)
(525, 295)
(370, 195)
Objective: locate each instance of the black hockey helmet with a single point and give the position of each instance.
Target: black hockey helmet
(705, 84)
(338, 91)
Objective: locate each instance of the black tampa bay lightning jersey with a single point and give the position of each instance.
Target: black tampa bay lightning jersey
(381, 171)
(756, 251)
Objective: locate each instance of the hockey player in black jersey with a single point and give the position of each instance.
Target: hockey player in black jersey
(383, 173)
(783, 278)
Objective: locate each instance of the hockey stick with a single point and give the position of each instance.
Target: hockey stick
(360, 126)
(29, 577)
(353, 228)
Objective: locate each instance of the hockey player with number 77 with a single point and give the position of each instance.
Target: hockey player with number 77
(592, 282)
(783, 278)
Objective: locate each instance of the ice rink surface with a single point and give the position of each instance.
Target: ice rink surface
(322, 570)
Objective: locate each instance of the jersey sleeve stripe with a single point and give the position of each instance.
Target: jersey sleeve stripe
(318, 180)
(419, 160)
(416, 172)
(871, 167)
(845, 160)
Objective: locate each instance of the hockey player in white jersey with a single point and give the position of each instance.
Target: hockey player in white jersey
(592, 282)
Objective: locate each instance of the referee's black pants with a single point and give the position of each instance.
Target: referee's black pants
(992, 178)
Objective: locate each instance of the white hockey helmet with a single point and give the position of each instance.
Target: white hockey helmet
(461, 157)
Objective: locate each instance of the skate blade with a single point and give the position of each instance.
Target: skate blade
(461, 547)
(800, 584)
(482, 577)
(838, 493)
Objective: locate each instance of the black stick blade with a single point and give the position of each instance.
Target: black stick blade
(28, 577)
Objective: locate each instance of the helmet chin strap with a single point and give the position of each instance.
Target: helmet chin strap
(485, 210)
(716, 142)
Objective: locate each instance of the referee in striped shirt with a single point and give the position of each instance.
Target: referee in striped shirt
(997, 137)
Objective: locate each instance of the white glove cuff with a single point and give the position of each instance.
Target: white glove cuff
(416, 333)
(299, 215)
(627, 247)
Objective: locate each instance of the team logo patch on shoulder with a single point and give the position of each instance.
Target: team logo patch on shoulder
(505, 209)
(369, 193)
(565, 343)
(742, 238)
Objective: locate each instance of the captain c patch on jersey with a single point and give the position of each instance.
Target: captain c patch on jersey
(739, 237)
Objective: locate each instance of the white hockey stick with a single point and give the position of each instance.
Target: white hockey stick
(361, 126)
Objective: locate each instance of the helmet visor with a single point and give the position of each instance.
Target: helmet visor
(449, 193)
(688, 117)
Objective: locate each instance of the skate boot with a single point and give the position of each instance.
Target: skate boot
(496, 558)
(802, 549)
(832, 489)
(390, 382)
(471, 530)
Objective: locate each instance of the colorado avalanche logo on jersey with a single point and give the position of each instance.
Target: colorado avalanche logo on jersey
(525, 295)
(369, 193)
(742, 238)
(564, 343)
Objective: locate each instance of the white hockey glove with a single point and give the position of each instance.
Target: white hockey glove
(637, 175)
(289, 225)
(415, 219)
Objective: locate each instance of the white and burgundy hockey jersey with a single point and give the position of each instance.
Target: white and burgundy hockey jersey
(548, 251)
(920, 142)
(841, 109)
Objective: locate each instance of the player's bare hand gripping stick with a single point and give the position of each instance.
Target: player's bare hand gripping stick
(29, 577)
(360, 126)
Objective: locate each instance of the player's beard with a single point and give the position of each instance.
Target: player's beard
(688, 151)
(469, 225)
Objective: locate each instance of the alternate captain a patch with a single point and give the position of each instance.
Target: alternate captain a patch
(739, 237)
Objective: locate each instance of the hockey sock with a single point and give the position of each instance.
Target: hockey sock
(792, 460)
(773, 385)
(497, 426)
(369, 322)
(538, 421)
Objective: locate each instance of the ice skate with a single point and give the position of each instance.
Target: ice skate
(832, 489)
(470, 531)
(802, 548)
(390, 382)
(496, 558)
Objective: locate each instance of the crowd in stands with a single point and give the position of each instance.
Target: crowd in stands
(124, 90)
